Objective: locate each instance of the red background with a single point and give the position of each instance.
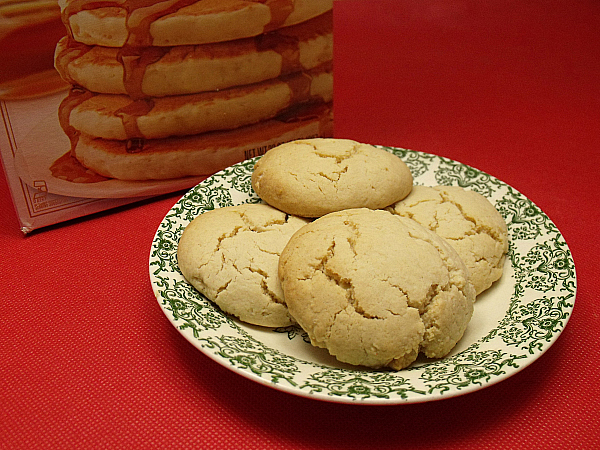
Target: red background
(88, 359)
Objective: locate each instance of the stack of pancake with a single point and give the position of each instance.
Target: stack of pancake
(174, 88)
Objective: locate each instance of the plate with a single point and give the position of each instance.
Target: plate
(514, 322)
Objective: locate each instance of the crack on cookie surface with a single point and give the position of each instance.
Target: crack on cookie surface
(451, 267)
(363, 283)
(333, 176)
(355, 235)
(422, 307)
(339, 158)
(251, 266)
(222, 288)
(228, 235)
(346, 283)
(468, 221)
(478, 228)
(269, 293)
(446, 198)
(262, 226)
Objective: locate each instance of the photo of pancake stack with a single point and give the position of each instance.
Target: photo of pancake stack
(177, 88)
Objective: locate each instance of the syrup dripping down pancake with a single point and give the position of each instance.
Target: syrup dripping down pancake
(181, 22)
(191, 69)
(120, 117)
(201, 154)
(180, 88)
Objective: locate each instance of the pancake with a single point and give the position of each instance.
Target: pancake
(201, 154)
(187, 87)
(176, 70)
(181, 22)
(119, 117)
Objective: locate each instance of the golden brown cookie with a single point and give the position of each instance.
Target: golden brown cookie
(376, 289)
(313, 177)
(468, 221)
(231, 256)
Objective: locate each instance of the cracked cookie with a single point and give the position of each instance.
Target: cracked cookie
(231, 256)
(468, 222)
(376, 289)
(313, 177)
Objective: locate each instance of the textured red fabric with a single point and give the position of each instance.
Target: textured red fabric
(88, 360)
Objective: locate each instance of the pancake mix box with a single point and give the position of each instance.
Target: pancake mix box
(107, 102)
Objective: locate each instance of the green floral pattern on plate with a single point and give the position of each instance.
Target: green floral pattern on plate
(514, 322)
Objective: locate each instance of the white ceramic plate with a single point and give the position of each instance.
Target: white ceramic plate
(514, 323)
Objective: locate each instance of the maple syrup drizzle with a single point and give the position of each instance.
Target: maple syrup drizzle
(68, 168)
(287, 46)
(138, 53)
(76, 97)
(134, 56)
(129, 116)
(280, 11)
(70, 52)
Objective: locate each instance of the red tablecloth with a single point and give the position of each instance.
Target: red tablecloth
(88, 360)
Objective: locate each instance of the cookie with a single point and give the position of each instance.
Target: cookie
(231, 254)
(376, 289)
(468, 222)
(313, 177)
